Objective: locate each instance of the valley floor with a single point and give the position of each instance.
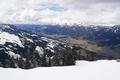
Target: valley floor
(84, 70)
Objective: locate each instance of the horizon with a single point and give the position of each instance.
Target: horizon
(68, 23)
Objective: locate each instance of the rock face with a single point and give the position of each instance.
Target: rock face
(27, 49)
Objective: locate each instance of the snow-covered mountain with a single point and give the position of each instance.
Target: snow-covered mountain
(29, 46)
(97, 33)
(27, 50)
(102, 35)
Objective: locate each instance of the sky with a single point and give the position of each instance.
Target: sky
(87, 12)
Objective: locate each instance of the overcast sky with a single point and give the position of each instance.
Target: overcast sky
(60, 11)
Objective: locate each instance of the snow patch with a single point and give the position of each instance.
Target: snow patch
(44, 39)
(39, 50)
(28, 39)
(51, 44)
(6, 37)
(50, 49)
(12, 54)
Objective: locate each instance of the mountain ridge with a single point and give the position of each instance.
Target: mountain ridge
(47, 46)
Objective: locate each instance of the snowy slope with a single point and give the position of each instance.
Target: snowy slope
(100, 70)
(7, 37)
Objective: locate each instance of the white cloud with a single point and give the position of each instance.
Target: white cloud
(60, 11)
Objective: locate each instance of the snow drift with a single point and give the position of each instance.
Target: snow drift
(84, 70)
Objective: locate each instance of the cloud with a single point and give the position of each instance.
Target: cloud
(60, 11)
(93, 1)
(51, 6)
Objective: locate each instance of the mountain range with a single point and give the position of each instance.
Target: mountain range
(28, 45)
